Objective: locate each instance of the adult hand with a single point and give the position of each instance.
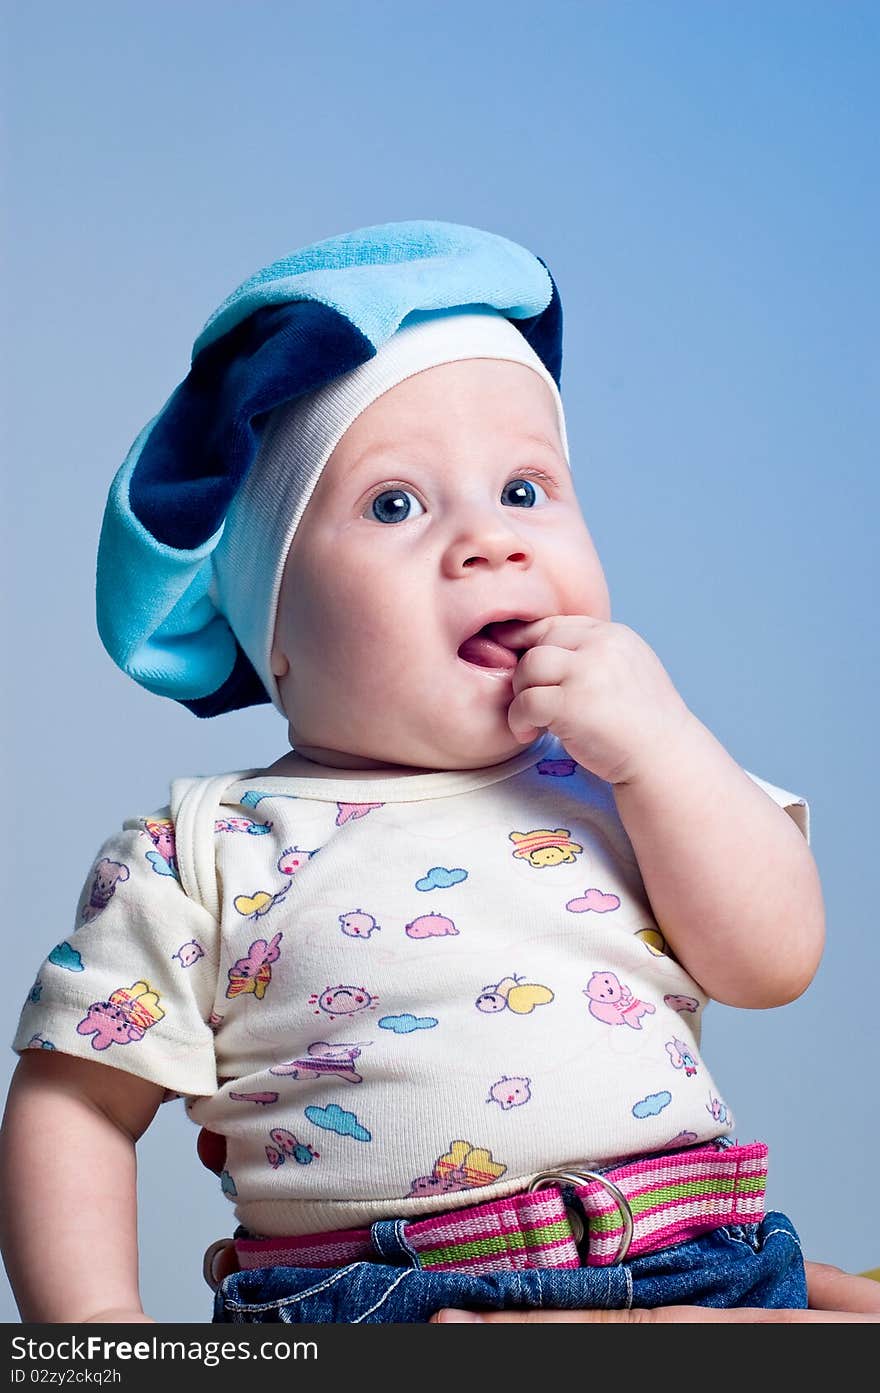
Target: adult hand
(834, 1296)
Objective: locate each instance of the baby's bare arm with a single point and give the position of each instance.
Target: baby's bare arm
(68, 1192)
(731, 880)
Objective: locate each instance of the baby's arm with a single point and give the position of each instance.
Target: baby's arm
(68, 1192)
(731, 880)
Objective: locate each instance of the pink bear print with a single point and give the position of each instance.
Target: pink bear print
(253, 973)
(103, 887)
(125, 1017)
(612, 1001)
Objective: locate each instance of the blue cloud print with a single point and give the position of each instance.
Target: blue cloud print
(160, 865)
(335, 1119)
(65, 955)
(650, 1106)
(406, 1024)
(439, 878)
(253, 796)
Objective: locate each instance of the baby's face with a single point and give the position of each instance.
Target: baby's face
(448, 501)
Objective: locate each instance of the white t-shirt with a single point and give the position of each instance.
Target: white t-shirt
(387, 993)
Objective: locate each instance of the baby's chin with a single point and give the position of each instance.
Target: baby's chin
(419, 756)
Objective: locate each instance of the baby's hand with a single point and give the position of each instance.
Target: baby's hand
(599, 687)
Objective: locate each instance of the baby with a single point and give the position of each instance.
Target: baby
(436, 976)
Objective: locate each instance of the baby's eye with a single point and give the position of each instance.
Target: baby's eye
(521, 492)
(391, 505)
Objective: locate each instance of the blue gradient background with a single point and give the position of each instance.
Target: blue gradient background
(702, 180)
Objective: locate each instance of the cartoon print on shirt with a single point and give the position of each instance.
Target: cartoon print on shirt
(39, 1042)
(463, 1167)
(431, 925)
(681, 1003)
(612, 1001)
(227, 1185)
(681, 1139)
(324, 1058)
(293, 859)
(595, 900)
(512, 992)
(653, 941)
(719, 1111)
(286, 1145)
(510, 1092)
(103, 887)
(253, 973)
(654, 1103)
(259, 903)
(333, 1118)
(344, 1000)
(164, 858)
(215, 1021)
(348, 811)
(255, 796)
(242, 824)
(357, 923)
(556, 768)
(545, 847)
(65, 955)
(126, 1017)
(406, 1023)
(441, 878)
(36, 991)
(263, 1098)
(680, 1057)
(189, 953)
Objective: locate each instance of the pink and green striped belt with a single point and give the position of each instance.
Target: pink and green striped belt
(632, 1209)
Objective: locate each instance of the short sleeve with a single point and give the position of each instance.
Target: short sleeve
(132, 985)
(797, 807)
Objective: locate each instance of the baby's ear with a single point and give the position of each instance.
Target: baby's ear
(279, 662)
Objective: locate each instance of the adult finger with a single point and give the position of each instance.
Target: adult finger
(660, 1315)
(830, 1289)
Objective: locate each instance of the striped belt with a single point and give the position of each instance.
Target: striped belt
(566, 1218)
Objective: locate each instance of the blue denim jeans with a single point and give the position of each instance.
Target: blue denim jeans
(738, 1265)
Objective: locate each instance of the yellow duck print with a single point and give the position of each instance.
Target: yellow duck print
(545, 847)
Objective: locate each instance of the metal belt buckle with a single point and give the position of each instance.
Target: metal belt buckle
(575, 1177)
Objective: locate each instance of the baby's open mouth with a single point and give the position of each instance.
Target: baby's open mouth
(484, 649)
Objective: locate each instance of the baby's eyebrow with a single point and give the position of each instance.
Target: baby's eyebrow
(391, 447)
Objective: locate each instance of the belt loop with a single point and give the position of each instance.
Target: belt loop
(388, 1238)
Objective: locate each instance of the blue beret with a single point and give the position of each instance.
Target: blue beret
(289, 329)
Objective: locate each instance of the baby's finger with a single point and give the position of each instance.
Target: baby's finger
(565, 630)
(546, 666)
(533, 710)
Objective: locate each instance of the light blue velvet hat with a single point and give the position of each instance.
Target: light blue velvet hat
(286, 331)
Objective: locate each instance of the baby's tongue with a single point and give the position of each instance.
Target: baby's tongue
(485, 652)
